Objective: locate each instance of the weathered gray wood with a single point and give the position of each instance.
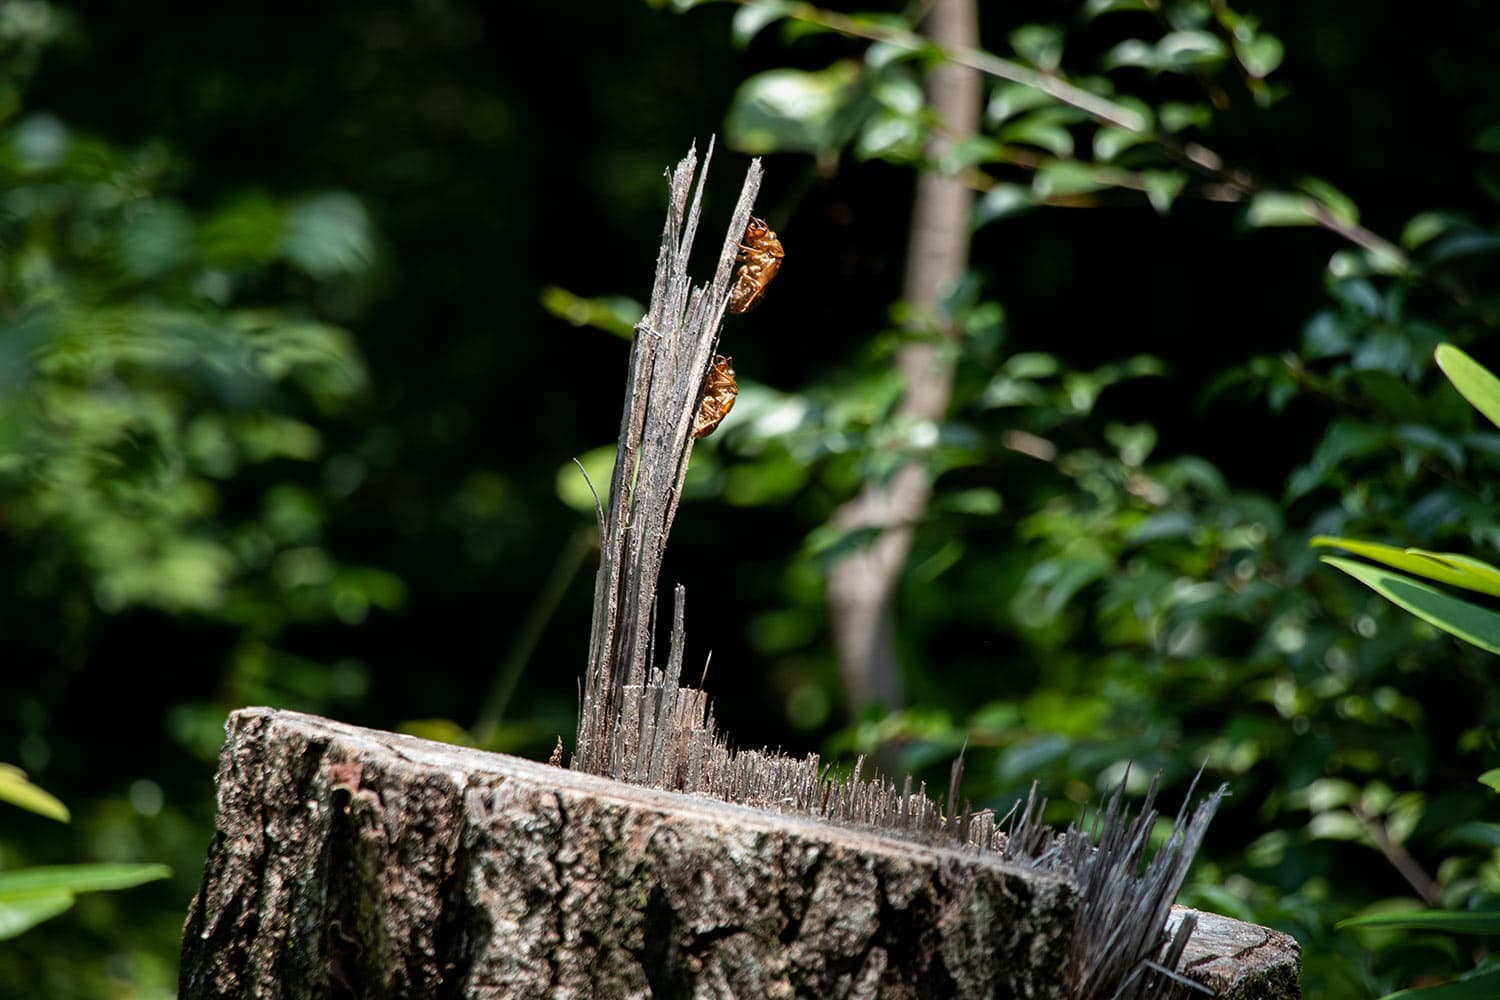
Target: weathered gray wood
(353, 862)
(1241, 961)
(349, 862)
(670, 354)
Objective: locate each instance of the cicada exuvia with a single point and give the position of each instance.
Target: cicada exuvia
(719, 391)
(760, 258)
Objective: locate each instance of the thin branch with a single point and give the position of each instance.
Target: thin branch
(1101, 109)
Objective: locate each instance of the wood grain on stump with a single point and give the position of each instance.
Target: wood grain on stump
(348, 862)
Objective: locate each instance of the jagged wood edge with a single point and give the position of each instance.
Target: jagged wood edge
(1121, 949)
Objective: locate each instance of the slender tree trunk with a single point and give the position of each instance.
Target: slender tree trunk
(862, 586)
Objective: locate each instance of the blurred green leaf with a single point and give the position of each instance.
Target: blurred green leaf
(1093, 8)
(1469, 622)
(30, 895)
(1443, 567)
(329, 235)
(1473, 381)
(572, 486)
(1001, 202)
(78, 878)
(15, 789)
(1457, 922)
(614, 314)
(1039, 44)
(20, 914)
(753, 18)
(1278, 208)
(809, 111)
(1261, 55)
(1175, 52)
(1011, 99)
(1484, 986)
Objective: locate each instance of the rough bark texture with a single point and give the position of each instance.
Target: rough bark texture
(349, 862)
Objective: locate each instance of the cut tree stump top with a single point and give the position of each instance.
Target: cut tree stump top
(354, 863)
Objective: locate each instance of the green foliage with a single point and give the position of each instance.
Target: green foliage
(15, 789)
(1178, 615)
(171, 369)
(30, 895)
(1473, 624)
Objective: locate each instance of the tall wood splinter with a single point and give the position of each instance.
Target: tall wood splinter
(719, 391)
(760, 258)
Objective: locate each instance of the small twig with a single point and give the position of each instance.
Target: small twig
(598, 506)
(497, 700)
(1400, 859)
(1099, 108)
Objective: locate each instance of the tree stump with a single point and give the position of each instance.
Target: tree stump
(353, 863)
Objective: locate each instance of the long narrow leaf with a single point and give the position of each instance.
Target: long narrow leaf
(77, 878)
(1473, 381)
(1482, 987)
(15, 789)
(1444, 567)
(1469, 622)
(23, 914)
(1457, 921)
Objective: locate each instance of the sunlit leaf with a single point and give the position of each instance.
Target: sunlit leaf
(15, 789)
(1163, 187)
(1443, 567)
(1469, 622)
(1003, 201)
(1278, 208)
(329, 235)
(24, 912)
(1040, 129)
(752, 18)
(1338, 204)
(573, 483)
(1473, 381)
(1427, 226)
(1491, 778)
(1093, 8)
(614, 314)
(1110, 142)
(891, 136)
(1039, 44)
(78, 878)
(788, 109)
(1067, 177)
(1454, 921)
(1261, 55)
(1176, 116)
(1011, 99)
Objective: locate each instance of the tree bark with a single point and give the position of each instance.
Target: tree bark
(354, 863)
(862, 586)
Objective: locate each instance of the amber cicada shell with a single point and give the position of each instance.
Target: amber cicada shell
(719, 390)
(760, 258)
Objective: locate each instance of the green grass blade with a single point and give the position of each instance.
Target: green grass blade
(27, 882)
(1469, 622)
(1482, 987)
(18, 915)
(1473, 381)
(1456, 921)
(1444, 567)
(15, 789)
